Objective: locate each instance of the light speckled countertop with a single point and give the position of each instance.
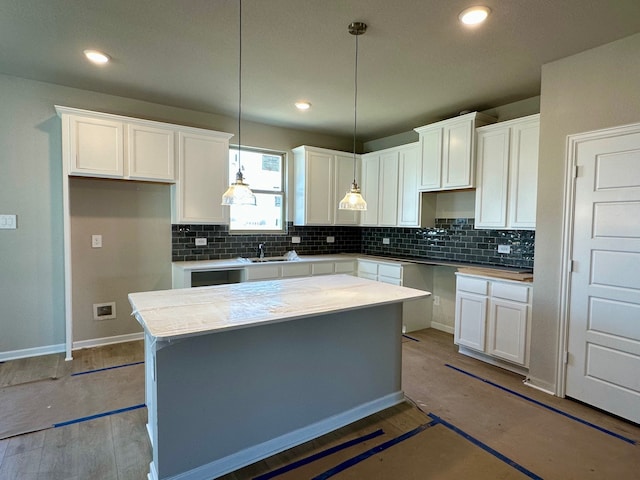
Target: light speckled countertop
(172, 314)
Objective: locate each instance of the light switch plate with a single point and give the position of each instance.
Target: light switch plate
(295, 239)
(385, 241)
(201, 242)
(96, 241)
(331, 239)
(8, 222)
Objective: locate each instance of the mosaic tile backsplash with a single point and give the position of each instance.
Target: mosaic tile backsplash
(450, 240)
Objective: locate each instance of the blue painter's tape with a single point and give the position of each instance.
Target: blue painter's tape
(99, 415)
(319, 455)
(410, 338)
(106, 368)
(364, 455)
(548, 407)
(485, 447)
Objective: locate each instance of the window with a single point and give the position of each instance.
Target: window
(264, 172)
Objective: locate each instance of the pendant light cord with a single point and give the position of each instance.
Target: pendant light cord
(355, 110)
(240, 89)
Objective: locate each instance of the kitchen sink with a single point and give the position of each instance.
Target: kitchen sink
(267, 259)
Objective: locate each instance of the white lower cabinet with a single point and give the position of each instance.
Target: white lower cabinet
(277, 270)
(493, 320)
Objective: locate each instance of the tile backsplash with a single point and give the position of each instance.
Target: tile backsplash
(450, 240)
(453, 240)
(222, 244)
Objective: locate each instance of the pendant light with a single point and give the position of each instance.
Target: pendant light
(353, 199)
(239, 192)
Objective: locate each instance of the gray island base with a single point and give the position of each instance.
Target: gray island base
(237, 373)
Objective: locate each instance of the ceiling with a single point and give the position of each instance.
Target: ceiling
(417, 63)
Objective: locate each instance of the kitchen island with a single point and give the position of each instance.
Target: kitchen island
(236, 373)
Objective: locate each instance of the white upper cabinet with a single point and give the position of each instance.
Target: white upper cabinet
(390, 180)
(151, 152)
(112, 146)
(96, 147)
(369, 188)
(409, 169)
(388, 189)
(321, 179)
(447, 149)
(203, 164)
(507, 174)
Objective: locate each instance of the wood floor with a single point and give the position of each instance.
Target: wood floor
(489, 404)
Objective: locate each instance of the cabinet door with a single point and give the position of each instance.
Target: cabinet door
(388, 189)
(369, 188)
(96, 147)
(524, 175)
(203, 175)
(262, 272)
(457, 159)
(150, 153)
(507, 330)
(493, 171)
(319, 185)
(408, 195)
(344, 175)
(470, 320)
(345, 267)
(431, 146)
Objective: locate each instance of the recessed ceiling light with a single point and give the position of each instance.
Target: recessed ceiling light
(96, 57)
(303, 105)
(474, 15)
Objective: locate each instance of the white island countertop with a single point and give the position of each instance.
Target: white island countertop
(172, 314)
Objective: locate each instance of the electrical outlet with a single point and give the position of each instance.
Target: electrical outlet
(504, 248)
(331, 239)
(201, 242)
(386, 241)
(436, 300)
(96, 241)
(295, 239)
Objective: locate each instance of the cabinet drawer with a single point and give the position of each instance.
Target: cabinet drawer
(345, 267)
(296, 270)
(473, 285)
(367, 267)
(392, 271)
(322, 268)
(368, 276)
(390, 280)
(509, 291)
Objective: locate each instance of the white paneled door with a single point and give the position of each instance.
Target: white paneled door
(604, 305)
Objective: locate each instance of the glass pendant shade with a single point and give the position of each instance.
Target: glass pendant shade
(353, 199)
(238, 193)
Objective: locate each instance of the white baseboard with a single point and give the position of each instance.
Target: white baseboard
(442, 327)
(99, 342)
(31, 352)
(60, 348)
(527, 382)
(271, 447)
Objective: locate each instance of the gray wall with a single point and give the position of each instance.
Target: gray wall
(134, 220)
(596, 89)
(31, 257)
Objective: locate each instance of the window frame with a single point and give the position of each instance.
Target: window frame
(282, 192)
